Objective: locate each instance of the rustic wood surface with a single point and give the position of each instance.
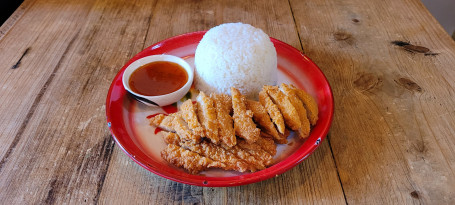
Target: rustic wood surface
(389, 63)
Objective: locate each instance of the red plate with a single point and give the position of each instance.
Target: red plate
(127, 121)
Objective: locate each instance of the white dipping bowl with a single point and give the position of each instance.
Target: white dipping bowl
(159, 100)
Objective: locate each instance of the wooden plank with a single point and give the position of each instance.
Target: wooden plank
(28, 66)
(61, 147)
(398, 146)
(314, 181)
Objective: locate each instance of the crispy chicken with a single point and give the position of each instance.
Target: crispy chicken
(163, 121)
(207, 115)
(304, 130)
(223, 104)
(189, 114)
(309, 103)
(261, 117)
(243, 119)
(203, 134)
(182, 129)
(291, 118)
(273, 110)
(191, 161)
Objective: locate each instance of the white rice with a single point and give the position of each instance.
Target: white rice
(235, 55)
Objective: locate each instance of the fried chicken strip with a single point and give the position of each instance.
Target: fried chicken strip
(223, 105)
(243, 154)
(163, 121)
(261, 117)
(290, 115)
(310, 104)
(243, 118)
(304, 130)
(171, 138)
(217, 153)
(189, 160)
(267, 144)
(182, 129)
(207, 116)
(256, 151)
(210, 150)
(189, 114)
(273, 110)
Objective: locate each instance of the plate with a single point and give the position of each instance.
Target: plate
(127, 118)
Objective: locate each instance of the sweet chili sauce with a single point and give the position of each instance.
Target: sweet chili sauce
(158, 78)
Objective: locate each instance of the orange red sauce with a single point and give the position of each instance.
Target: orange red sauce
(158, 78)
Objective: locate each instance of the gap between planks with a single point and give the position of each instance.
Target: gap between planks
(298, 34)
(336, 168)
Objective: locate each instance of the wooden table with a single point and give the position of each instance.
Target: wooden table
(390, 64)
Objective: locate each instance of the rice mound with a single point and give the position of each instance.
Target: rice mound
(235, 55)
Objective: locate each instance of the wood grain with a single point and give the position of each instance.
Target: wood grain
(398, 146)
(390, 65)
(60, 146)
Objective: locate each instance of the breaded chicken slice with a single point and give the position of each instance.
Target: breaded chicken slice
(223, 105)
(243, 119)
(290, 115)
(267, 144)
(189, 114)
(217, 153)
(171, 138)
(209, 150)
(182, 129)
(191, 161)
(304, 130)
(207, 116)
(261, 117)
(310, 104)
(243, 154)
(273, 110)
(163, 121)
(257, 152)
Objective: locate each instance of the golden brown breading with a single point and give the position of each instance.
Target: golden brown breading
(261, 117)
(290, 115)
(304, 130)
(189, 160)
(310, 104)
(282, 136)
(163, 121)
(243, 119)
(171, 138)
(223, 104)
(217, 153)
(210, 150)
(243, 154)
(217, 144)
(182, 129)
(207, 116)
(273, 110)
(267, 144)
(256, 151)
(188, 112)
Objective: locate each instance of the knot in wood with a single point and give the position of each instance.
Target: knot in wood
(409, 84)
(415, 195)
(341, 35)
(366, 81)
